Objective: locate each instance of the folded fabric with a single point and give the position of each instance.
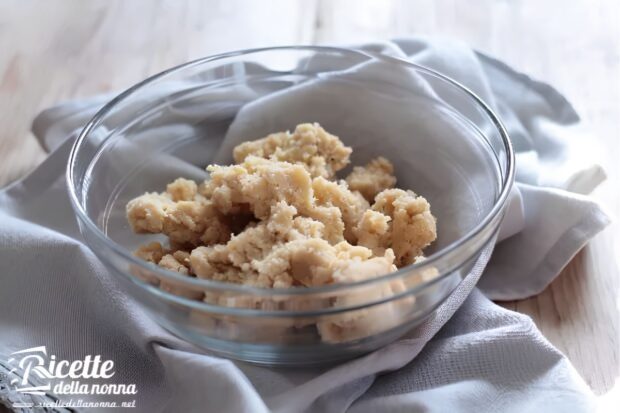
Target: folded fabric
(470, 355)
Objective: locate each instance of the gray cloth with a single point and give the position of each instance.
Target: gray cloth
(471, 355)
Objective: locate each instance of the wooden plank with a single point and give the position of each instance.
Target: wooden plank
(54, 51)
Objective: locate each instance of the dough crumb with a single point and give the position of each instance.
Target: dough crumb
(320, 152)
(182, 189)
(413, 227)
(257, 184)
(152, 252)
(373, 178)
(357, 324)
(337, 194)
(147, 212)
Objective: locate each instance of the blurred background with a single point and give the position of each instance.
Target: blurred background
(53, 50)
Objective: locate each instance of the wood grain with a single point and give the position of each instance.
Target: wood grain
(52, 51)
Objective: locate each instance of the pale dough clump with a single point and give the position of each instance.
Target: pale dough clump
(412, 227)
(336, 194)
(279, 218)
(320, 152)
(367, 321)
(373, 178)
(181, 214)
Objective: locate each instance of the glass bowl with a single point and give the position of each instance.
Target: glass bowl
(446, 144)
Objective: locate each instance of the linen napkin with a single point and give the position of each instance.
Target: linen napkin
(470, 355)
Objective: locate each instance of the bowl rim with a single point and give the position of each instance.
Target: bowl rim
(207, 284)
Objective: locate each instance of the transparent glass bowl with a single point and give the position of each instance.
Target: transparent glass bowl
(449, 147)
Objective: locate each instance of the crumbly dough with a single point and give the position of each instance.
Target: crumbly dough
(188, 221)
(412, 226)
(373, 178)
(368, 321)
(279, 218)
(257, 184)
(152, 252)
(336, 194)
(320, 152)
(178, 261)
(146, 213)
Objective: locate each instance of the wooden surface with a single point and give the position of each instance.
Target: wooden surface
(51, 51)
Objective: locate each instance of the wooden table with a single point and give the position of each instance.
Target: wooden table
(52, 51)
